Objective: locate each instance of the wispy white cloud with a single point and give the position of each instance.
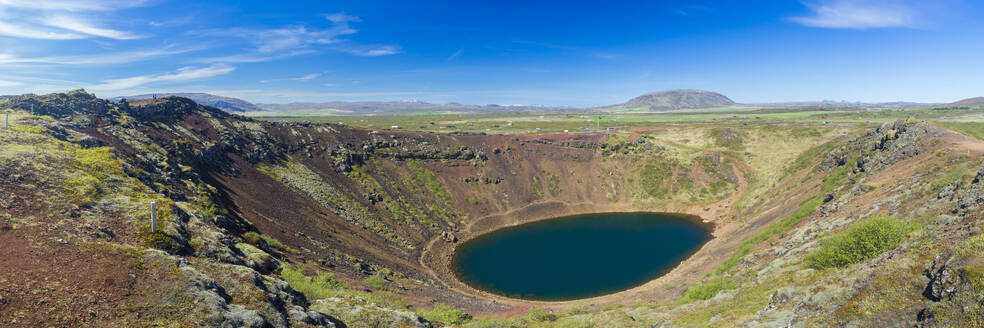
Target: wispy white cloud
(7, 84)
(74, 5)
(306, 77)
(33, 32)
(253, 57)
(368, 50)
(182, 74)
(859, 14)
(456, 54)
(690, 9)
(483, 70)
(83, 26)
(279, 39)
(62, 20)
(268, 44)
(180, 21)
(342, 18)
(98, 59)
(266, 95)
(299, 78)
(583, 50)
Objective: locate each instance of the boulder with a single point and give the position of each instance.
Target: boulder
(449, 237)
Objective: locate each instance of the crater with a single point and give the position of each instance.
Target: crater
(580, 256)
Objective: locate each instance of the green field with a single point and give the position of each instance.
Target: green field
(553, 122)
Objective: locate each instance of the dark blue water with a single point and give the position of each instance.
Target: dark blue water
(579, 256)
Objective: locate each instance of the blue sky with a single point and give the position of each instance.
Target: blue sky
(567, 53)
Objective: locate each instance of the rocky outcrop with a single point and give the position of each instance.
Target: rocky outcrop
(880, 147)
(973, 196)
(63, 105)
(218, 293)
(944, 281)
(357, 312)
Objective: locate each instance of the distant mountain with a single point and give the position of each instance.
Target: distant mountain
(969, 102)
(678, 99)
(388, 107)
(228, 104)
(361, 107)
(841, 104)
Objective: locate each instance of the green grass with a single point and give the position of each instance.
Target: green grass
(976, 277)
(376, 281)
(948, 178)
(972, 129)
(860, 242)
(424, 177)
(895, 114)
(553, 184)
(973, 246)
(254, 238)
(746, 302)
(445, 314)
(537, 187)
(324, 285)
(97, 169)
(28, 129)
(728, 138)
(540, 315)
(707, 290)
(806, 208)
(811, 156)
(548, 123)
(360, 174)
(656, 176)
(318, 287)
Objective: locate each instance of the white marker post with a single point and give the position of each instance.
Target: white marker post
(153, 216)
(6, 120)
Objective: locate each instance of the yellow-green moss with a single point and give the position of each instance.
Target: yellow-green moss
(445, 314)
(28, 129)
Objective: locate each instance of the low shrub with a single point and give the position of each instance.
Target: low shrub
(376, 281)
(445, 314)
(540, 315)
(553, 184)
(537, 188)
(860, 242)
(708, 290)
(320, 286)
(251, 237)
(254, 238)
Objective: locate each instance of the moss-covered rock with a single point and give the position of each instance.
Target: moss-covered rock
(357, 312)
(258, 259)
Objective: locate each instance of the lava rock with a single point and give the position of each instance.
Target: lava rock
(943, 281)
(449, 237)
